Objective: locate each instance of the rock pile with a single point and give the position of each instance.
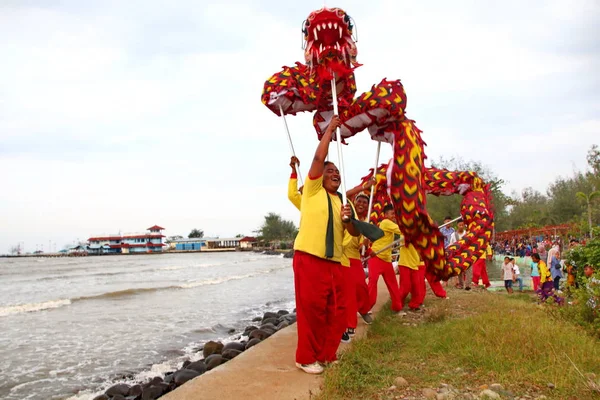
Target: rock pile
(214, 354)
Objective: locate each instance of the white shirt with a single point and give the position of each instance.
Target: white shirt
(516, 269)
(456, 236)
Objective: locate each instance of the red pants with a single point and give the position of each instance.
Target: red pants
(411, 281)
(480, 271)
(536, 282)
(378, 267)
(357, 292)
(320, 308)
(436, 285)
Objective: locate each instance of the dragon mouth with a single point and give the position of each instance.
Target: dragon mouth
(328, 34)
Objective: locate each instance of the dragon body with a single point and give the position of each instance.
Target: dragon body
(330, 56)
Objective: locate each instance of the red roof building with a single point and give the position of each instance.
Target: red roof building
(149, 242)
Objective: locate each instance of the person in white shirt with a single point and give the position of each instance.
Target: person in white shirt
(517, 272)
(464, 279)
(508, 273)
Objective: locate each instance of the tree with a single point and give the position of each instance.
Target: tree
(588, 198)
(196, 233)
(239, 235)
(274, 228)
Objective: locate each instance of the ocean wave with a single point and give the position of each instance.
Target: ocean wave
(216, 281)
(31, 307)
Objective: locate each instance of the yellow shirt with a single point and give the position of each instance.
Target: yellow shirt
(351, 245)
(486, 253)
(545, 274)
(314, 214)
(409, 257)
(293, 194)
(389, 228)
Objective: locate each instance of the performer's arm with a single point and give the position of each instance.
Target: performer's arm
(293, 195)
(318, 164)
(346, 214)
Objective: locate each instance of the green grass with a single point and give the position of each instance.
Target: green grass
(471, 340)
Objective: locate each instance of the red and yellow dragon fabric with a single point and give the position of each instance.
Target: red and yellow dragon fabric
(330, 53)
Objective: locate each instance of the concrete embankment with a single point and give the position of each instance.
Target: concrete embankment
(267, 371)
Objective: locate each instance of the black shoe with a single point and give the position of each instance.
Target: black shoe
(351, 332)
(346, 338)
(468, 288)
(367, 318)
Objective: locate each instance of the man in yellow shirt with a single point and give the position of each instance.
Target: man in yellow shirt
(381, 264)
(321, 319)
(412, 277)
(357, 292)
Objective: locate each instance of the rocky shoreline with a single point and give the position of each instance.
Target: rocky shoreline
(214, 354)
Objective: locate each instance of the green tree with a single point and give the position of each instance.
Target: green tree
(276, 228)
(588, 198)
(196, 233)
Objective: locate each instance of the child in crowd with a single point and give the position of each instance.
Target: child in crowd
(507, 270)
(517, 272)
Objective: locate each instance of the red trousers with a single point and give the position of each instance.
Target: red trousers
(480, 271)
(320, 308)
(377, 268)
(436, 285)
(411, 281)
(357, 292)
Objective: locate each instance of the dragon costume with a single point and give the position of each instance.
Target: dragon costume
(330, 52)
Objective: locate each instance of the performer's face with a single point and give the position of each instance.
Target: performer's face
(461, 226)
(361, 204)
(331, 178)
(391, 215)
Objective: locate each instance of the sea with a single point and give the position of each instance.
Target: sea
(71, 327)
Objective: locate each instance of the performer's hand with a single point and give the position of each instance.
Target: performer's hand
(346, 213)
(371, 182)
(294, 161)
(334, 124)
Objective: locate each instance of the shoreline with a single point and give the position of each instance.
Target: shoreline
(162, 378)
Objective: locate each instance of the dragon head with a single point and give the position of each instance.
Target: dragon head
(328, 36)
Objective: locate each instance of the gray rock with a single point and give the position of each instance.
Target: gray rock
(249, 329)
(269, 327)
(118, 397)
(496, 387)
(135, 391)
(212, 348)
(214, 362)
(259, 334)
(282, 312)
(183, 375)
(156, 380)
(282, 325)
(429, 393)
(489, 394)
(207, 359)
(119, 388)
(252, 342)
(235, 346)
(551, 385)
(198, 366)
(256, 319)
(273, 321)
(230, 354)
(152, 392)
(102, 397)
(400, 382)
(270, 315)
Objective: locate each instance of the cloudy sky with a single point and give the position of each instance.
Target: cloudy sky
(118, 115)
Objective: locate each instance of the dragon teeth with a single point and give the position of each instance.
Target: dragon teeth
(335, 25)
(340, 30)
(323, 25)
(330, 25)
(315, 33)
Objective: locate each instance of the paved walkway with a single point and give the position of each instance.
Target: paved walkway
(266, 371)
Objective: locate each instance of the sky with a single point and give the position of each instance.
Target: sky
(116, 116)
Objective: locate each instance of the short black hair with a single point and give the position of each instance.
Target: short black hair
(536, 256)
(326, 163)
(388, 207)
(450, 218)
